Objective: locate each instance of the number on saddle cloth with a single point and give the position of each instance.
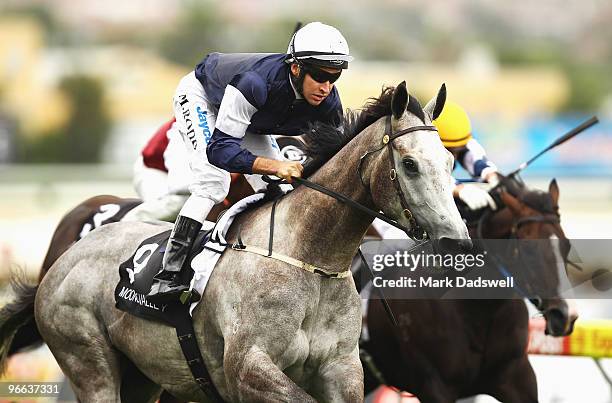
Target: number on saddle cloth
(136, 276)
(108, 213)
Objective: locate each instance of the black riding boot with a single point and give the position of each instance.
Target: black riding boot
(172, 283)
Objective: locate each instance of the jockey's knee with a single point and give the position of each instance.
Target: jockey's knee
(214, 190)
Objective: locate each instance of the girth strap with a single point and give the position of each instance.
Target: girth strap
(370, 365)
(192, 354)
(292, 261)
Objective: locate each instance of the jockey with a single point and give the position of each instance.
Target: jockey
(455, 131)
(226, 110)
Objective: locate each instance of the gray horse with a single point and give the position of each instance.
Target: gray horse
(268, 331)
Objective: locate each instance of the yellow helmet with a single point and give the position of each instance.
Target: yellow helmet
(453, 125)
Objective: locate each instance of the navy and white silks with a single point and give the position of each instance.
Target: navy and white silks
(473, 159)
(226, 110)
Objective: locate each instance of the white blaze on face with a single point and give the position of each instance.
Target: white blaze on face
(564, 284)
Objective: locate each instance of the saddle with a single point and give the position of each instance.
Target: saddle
(136, 276)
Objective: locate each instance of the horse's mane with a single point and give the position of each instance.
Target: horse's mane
(323, 141)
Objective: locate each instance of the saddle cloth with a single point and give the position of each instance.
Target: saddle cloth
(108, 213)
(136, 274)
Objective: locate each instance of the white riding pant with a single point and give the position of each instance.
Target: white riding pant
(195, 120)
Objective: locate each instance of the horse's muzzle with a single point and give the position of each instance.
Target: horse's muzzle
(452, 246)
(560, 320)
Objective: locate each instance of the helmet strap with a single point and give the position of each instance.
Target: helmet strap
(298, 82)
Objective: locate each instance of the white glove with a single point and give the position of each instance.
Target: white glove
(492, 179)
(476, 198)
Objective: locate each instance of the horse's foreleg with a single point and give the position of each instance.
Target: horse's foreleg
(342, 379)
(516, 383)
(253, 377)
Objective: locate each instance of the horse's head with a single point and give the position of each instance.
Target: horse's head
(410, 178)
(535, 216)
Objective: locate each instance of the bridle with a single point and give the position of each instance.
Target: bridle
(549, 218)
(541, 218)
(416, 232)
(546, 218)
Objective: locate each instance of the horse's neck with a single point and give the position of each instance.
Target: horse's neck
(479, 316)
(327, 231)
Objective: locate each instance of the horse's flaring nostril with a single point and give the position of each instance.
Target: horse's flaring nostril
(466, 244)
(452, 246)
(557, 321)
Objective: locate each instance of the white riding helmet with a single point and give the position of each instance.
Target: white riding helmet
(319, 44)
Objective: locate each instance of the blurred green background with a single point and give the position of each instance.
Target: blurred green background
(84, 74)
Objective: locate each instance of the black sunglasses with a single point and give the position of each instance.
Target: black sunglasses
(322, 76)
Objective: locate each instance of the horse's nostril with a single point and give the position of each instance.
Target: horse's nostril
(536, 301)
(452, 246)
(556, 321)
(466, 244)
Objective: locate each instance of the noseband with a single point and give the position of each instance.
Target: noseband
(416, 231)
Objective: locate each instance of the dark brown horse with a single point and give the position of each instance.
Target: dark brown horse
(443, 350)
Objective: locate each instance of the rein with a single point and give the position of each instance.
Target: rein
(342, 198)
(542, 218)
(415, 231)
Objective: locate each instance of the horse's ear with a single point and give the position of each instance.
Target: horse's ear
(511, 202)
(399, 101)
(435, 106)
(415, 108)
(553, 190)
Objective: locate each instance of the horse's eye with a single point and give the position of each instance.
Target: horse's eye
(410, 166)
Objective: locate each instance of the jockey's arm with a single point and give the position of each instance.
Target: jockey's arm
(233, 119)
(475, 161)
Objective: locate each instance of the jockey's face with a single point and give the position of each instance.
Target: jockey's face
(315, 92)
